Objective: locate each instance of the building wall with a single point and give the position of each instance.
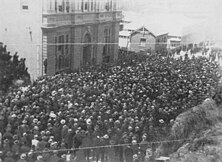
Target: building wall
(135, 42)
(76, 44)
(123, 42)
(77, 48)
(161, 42)
(115, 48)
(20, 30)
(100, 43)
(79, 24)
(97, 42)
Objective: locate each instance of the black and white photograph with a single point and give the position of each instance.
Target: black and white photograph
(110, 81)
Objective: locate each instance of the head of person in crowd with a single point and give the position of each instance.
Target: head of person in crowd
(122, 103)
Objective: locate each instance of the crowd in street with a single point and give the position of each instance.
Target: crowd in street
(12, 68)
(130, 103)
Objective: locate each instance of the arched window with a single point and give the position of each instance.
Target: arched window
(107, 46)
(87, 47)
(87, 38)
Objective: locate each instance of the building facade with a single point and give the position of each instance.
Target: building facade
(137, 40)
(167, 42)
(56, 35)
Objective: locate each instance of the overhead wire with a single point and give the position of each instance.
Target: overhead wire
(109, 146)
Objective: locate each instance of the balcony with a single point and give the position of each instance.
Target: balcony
(77, 12)
(51, 20)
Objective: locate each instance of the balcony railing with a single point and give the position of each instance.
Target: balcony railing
(79, 18)
(76, 6)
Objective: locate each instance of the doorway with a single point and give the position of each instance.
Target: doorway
(87, 50)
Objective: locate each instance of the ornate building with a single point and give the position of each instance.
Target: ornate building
(55, 35)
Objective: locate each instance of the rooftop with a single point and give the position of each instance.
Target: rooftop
(125, 33)
(175, 39)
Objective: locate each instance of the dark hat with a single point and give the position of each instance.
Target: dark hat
(6, 141)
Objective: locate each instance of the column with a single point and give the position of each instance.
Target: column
(97, 5)
(53, 6)
(64, 5)
(101, 8)
(89, 5)
(44, 6)
(108, 5)
(104, 4)
(56, 6)
(114, 6)
(111, 5)
(94, 5)
(72, 6)
(118, 5)
(48, 5)
(82, 3)
(78, 5)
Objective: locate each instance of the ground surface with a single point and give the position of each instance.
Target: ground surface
(203, 125)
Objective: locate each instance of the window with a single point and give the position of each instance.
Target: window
(107, 6)
(25, 7)
(67, 60)
(56, 8)
(92, 5)
(107, 46)
(67, 6)
(62, 54)
(56, 59)
(67, 46)
(143, 42)
(55, 44)
(61, 44)
(121, 27)
(86, 6)
(24, 4)
(61, 6)
(82, 6)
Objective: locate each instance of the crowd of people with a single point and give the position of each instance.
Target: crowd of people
(130, 104)
(12, 68)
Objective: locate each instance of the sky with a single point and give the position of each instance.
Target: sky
(193, 8)
(173, 15)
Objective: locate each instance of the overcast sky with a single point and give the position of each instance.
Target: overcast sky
(192, 8)
(165, 15)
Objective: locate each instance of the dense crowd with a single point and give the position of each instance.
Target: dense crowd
(12, 68)
(130, 103)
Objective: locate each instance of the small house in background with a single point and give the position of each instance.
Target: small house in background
(167, 42)
(137, 39)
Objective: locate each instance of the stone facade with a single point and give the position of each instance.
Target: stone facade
(85, 33)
